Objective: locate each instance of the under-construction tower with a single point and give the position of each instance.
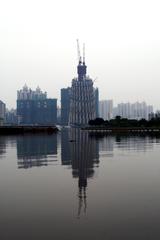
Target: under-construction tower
(82, 104)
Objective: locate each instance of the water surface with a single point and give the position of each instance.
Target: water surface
(87, 188)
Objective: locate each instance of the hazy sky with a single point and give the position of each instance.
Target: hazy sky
(38, 47)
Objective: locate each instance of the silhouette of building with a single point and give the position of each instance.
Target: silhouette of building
(96, 92)
(36, 150)
(65, 105)
(82, 106)
(153, 115)
(106, 109)
(33, 107)
(133, 110)
(157, 114)
(28, 94)
(2, 112)
(11, 117)
(58, 115)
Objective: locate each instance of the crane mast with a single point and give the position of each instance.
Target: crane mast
(81, 68)
(78, 52)
(83, 53)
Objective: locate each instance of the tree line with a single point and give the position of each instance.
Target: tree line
(124, 122)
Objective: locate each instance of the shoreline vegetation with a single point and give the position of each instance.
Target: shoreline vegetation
(124, 125)
(6, 130)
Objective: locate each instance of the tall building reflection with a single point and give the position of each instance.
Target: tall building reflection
(109, 142)
(82, 152)
(2, 146)
(106, 146)
(137, 142)
(65, 147)
(36, 150)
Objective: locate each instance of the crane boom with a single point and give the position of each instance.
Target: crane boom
(83, 53)
(78, 52)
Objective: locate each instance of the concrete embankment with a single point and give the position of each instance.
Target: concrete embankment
(122, 130)
(6, 130)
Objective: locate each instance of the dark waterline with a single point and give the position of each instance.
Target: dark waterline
(71, 185)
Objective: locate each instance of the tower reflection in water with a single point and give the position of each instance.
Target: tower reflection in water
(36, 150)
(82, 152)
(2, 146)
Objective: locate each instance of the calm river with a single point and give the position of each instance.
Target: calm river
(72, 185)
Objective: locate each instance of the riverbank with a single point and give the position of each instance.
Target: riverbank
(103, 129)
(6, 130)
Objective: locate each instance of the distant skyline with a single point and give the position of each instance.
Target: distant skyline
(38, 47)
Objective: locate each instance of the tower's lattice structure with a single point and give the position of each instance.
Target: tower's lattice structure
(82, 105)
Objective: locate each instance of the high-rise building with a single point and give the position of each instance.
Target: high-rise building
(28, 94)
(106, 109)
(96, 92)
(2, 112)
(33, 107)
(133, 110)
(82, 105)
(65, 105)
(154, 115)
(58, 115)
(157, 114)
(11, 117)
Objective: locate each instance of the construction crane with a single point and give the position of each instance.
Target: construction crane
(84, 53)
(95, 79)
(78, 52)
